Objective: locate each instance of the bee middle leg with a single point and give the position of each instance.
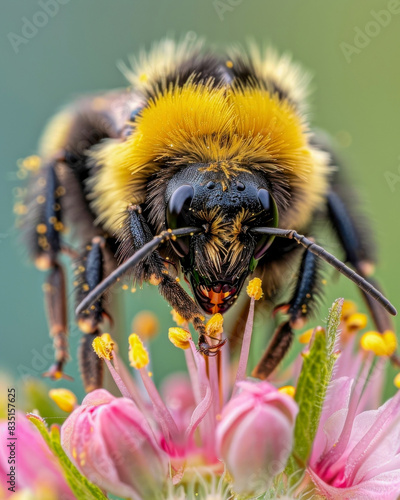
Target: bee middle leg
(89, 271)
(298, 308)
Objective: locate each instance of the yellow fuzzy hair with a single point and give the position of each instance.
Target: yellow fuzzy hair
(229, 128)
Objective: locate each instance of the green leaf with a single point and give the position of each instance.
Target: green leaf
(311, 390)
(82, 488)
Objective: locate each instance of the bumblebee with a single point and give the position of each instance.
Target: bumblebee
(205, 166)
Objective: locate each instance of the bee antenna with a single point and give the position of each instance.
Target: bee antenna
(133, 260)
(330, 259)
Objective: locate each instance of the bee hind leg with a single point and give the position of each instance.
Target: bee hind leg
(299, 308)
(43, 227)
(359, 253)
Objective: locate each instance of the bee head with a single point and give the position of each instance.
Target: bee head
(217, 261)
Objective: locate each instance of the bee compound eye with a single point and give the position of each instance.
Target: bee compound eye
(177, 211)
(265, 199)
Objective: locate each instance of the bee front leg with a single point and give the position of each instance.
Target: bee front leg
(298, 308)
(137, 233)
(183, 304)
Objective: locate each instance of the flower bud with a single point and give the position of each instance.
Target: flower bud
(112, 444)
(255, 436)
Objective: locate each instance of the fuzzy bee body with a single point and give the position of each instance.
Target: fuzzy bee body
(216, 143)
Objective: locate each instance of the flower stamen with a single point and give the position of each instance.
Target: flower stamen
(380, 344)
(179, 337)
(102, 348)
(254, 290)
(214, 326)
(138, 355)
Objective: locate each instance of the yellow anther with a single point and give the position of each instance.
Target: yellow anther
(254, 289)
(125, 287)
(305, 337)
(143, 77)
(108, 340)
(288, 389)
(381, 345)
(348, 309)
(146, 325)
(64, 398)
(179, 320)
(391, 341)
(356, 321)
(229, 64)
(396, 381)
(179, 337)
(101, 348)
(214, 326)
(138, 355)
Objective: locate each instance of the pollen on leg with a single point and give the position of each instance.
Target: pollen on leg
(155, 280)
(179, 320)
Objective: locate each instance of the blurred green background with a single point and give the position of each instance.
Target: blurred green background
(356, 98)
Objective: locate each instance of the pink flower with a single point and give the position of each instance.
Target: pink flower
(112, 444)
(37, 470)
(357, 454)
(255, 435)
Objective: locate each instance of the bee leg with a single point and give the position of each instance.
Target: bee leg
(43, 227)
(152, 269)
(299, 308)
(90, 365)
(89, 273)
(360, 254)
(183, 304)
(56, 308)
